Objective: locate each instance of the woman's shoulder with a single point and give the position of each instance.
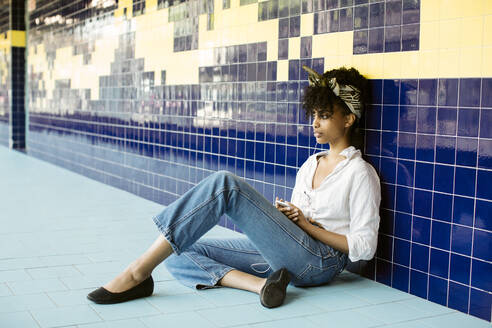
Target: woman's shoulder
(361, 169)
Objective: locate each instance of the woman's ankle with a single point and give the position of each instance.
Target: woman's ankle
(137, 272)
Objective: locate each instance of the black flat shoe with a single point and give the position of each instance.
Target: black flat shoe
(104, 296)
(273, 293)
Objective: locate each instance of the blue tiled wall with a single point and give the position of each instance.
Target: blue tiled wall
(429, 139)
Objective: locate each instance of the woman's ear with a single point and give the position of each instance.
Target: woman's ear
(350, 120)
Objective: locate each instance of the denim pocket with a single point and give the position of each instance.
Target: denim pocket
(313, 276)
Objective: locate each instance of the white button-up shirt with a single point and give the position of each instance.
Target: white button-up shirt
(346, 202)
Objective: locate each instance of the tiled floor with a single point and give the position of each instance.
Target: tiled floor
(62, 235)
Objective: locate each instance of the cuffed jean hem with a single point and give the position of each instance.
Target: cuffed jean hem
(165, 233)
(214, 281)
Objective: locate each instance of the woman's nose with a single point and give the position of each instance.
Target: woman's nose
(315, 122)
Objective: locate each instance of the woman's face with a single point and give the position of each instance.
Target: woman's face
(330, 128)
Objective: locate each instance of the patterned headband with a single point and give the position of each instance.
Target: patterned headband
(348, 93)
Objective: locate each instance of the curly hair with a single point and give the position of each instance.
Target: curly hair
(320, 99)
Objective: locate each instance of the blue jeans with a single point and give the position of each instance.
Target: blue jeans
(272, 240)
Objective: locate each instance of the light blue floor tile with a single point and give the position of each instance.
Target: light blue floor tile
(161, 274)
(59, 260)
(17, 320)
(179, 320)
(70, 297)
(179, 303)
(127, 323)
(133, 309)
(235, 315)
(36, 286)
(408, 324)
(335, 301)
(70, 222)
(53, 272)
(456, 320)
(65, 316)
(391, 313)
(84, 282)
(427, 308)
(379, 294)
(110, 268)
(4, 290)
(13, 264)
(25, 302)
(286, 323)
(228, 296)
(345, 319)
(293, 307)
(171, 287)
(14, 275)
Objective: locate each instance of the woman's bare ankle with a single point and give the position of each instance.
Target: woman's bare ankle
(138, 273)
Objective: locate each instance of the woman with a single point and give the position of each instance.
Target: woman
(333, 215)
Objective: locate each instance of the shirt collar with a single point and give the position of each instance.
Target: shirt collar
(349, 153)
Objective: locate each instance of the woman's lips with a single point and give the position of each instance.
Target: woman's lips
(317, 134)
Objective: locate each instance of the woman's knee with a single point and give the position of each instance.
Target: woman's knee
(224, 177)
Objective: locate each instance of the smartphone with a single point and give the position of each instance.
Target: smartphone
(283, 204)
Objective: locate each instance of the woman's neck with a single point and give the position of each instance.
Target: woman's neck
(337, 147)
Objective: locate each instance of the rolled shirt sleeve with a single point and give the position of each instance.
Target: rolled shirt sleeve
(364, 201)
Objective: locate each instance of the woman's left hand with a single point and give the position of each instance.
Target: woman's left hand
(294, 213)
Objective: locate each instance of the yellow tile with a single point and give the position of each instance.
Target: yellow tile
(472, 8)
(360, 63)
(260, 31)
(487, 7)
(325, 44)
(307, 24)
(410, 64)
(249, 15)
(18, 38)
(150, 6)
(235, 3)
(471, 62)
(392, 64)
(429, 35)
(375, 66)
(471, 31)
(142, 22)
(487, 29)
(487, 62)
(429, 64)
(331, 62)
(429, 10)
(294, 48)
(449, 32)
(450, 9)
(183, 74)
(345, 43)
(449, 63)
(346, 61)
(283, 70)
(272, 50)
